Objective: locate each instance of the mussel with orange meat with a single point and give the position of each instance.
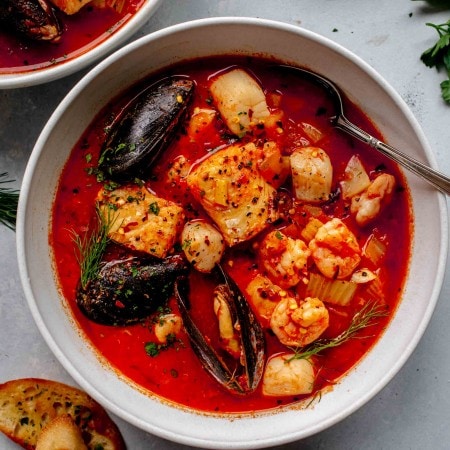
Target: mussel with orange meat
(243, 374)
(35, 19)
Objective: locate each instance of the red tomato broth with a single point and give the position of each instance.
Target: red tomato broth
(176, 374)
(82, 32)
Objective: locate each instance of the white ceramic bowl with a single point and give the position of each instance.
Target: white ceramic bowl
(63, 69)
(217, 36)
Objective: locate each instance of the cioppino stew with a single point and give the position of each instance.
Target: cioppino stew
(221, 245)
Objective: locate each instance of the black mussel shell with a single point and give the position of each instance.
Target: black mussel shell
(34, 19)
(145, 128)
(126, 291)
(246, 377)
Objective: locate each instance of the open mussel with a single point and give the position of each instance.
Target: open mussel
(246, 375)
(34, 19)
(145, 128)
(126, 291)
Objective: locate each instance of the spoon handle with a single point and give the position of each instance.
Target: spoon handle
(437, 179)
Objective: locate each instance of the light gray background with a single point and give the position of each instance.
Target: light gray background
(413, 411)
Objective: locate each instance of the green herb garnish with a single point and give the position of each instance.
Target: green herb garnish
(279, 235)
(439, 56)
(154, 208)
(152, 349)
(9, 199)
(366, 317)
(91, 247)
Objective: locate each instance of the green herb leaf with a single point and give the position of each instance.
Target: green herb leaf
(9, 199)
(152, 349)
(446, 59)
(445, 89)
(439, 55)
(366, 317)
(91, 247)
(154, 208)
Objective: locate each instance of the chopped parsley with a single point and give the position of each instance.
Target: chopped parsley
(154, 208)
(439, 56)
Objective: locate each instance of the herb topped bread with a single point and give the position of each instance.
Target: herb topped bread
(39, 413)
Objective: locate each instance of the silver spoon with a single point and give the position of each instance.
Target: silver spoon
(437, 179)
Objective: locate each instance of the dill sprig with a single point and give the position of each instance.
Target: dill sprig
(9, 199)
(364, 318)
(91, 247)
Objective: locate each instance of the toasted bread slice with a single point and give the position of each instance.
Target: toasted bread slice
(61, 433)
(28, 405)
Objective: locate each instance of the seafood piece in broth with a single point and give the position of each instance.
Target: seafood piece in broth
(202, 244)
(247, 373)
(234, 194)
(285, 259)
(367, 206)
(142, 221)
(287, 375)
(145, 128)
(34, 19)
(70, 7)
(312, 174)
(126, 291)
(335, 250)
(297, 324)
(240, 100)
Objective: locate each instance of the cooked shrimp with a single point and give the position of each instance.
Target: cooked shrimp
(299, 324)
(312, 174)
(284, 258)
(367, 206)
(335, 250)
(167, 325)
(285, 375)
(263, 297)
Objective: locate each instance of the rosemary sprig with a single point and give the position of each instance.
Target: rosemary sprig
(364, 318)
(9, 198)
(91, 247)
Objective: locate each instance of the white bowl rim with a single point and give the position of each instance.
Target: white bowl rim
(66, 68)
(21, 238)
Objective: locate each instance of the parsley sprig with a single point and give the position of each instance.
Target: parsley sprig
(439, 55)
(367, 316)
(9, 199)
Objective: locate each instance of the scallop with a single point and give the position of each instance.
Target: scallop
(286, 375)
(312, 174)
(203, 245)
